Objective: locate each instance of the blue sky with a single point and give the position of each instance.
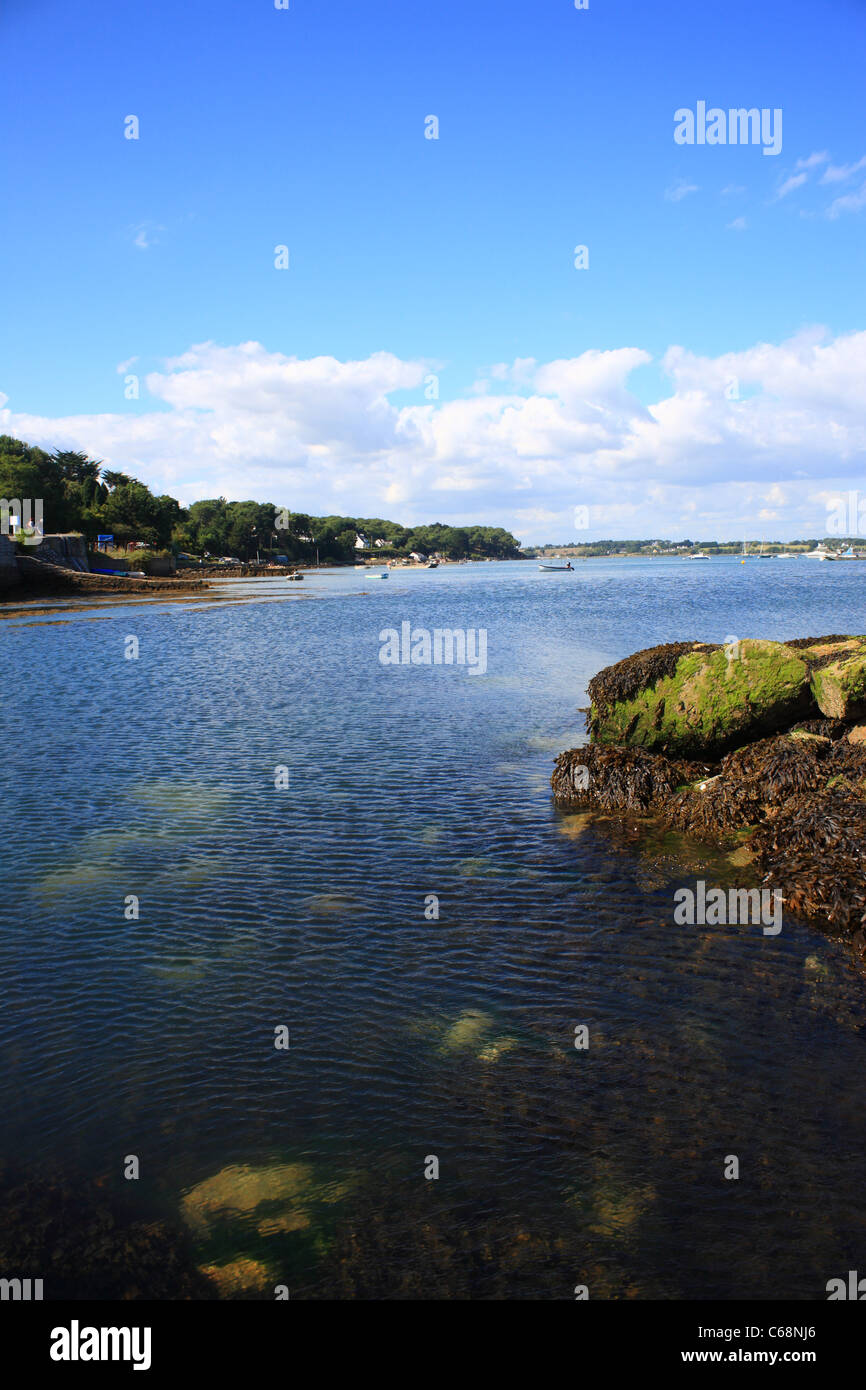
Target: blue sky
(305, 127)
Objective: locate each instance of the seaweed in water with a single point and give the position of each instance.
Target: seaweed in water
(812, 847)
(84, 1246)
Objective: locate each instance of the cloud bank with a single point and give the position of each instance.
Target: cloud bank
(747, 443)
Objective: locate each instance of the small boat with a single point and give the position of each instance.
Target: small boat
(698, 555)
(819, 553)
(432, 565)
(559, 569)
(383, 575)
(296, 576)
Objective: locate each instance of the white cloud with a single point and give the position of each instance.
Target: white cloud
(849, 202)
(146, 235)
(321, 435)
(677, 191)
(739, 224)
(794, 181)
(813, 160)
(838, 173)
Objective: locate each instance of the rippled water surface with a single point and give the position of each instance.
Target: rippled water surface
(410, 1037)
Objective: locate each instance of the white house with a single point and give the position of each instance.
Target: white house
(362, 542)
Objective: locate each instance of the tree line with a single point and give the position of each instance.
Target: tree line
(78, 494)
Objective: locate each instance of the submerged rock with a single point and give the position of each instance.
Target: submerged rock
(495, 1049)
(467, 1031)
(240, 1189)
(239, 1277)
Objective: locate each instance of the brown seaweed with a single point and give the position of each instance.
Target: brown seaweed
(83, 1243)
(620, 779)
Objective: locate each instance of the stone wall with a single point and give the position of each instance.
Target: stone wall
(9, 576)
(69, 551)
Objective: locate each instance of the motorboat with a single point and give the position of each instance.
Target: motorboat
(819, 553)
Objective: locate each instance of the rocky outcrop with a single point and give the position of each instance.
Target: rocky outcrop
(695, 700)
(679, 733)
(839, 677)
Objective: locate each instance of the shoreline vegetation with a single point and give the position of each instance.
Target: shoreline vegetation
(66, 518)
(77, 494)
(757, 748)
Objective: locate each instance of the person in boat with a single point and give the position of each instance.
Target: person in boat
(569, 566)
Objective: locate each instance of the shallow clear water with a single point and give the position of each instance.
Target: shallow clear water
(411, 1037)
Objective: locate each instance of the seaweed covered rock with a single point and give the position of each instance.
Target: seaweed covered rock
(681, 733)
(619, 779)
(839, 677)
(694, 700)
(714, 810)
(774, 769)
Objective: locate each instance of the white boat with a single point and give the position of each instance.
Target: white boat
(698, 555)
(559, 569)
(819, 553)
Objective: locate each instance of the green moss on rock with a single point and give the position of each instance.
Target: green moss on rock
(714, 699)
(839, 678)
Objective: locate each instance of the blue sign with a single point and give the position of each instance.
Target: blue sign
(104, 540)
